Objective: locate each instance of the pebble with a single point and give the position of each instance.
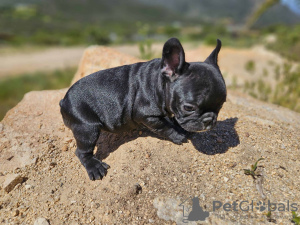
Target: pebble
(34, 160)
(65, 148)
(67, 140)
(41, 221)
(16, 212)
(11, 181)
(52, 164)
(135, 190)
(226, 179)
(27, 186)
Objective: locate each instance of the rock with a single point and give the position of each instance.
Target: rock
(11, 181)
(28, 186)
(98, 58)
(134, 190)
(65, 148)
(15, 212)
(137, 189)
(41, 221)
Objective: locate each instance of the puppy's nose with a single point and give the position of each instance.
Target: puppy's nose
(208, 122)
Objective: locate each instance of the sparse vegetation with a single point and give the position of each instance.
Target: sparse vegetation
(269, 217)
(12, 89)
(253, 169)
(145, 48)
(286, 91)
(250, 66)
(296, 218)
(287, 40)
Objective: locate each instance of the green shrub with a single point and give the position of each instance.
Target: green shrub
(12, 89)
(250, 66)
(145, 48)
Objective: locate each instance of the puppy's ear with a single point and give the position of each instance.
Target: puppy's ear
(213, 57)
(173, 59)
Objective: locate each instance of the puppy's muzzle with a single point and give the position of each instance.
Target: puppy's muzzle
(209, 122)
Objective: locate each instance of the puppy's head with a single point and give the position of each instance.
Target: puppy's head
(195, 92)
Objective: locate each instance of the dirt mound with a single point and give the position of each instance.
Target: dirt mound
(151, 180)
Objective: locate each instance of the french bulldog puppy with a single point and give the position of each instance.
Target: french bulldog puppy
(169, 96)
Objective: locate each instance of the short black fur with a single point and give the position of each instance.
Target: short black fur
(168, 96)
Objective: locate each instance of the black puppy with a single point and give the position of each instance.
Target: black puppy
(164, 95)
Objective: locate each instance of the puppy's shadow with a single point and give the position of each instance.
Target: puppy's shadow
(215, 141)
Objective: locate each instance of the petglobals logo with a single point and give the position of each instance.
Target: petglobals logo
(194, 213)
(247, 206)
(192, 210)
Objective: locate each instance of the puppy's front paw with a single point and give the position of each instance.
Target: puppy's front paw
(96, 169)
(178, 138)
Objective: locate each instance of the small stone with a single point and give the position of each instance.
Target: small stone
(41, 221)
(147, 156)
(175, 179)
(62, 129)
(65, 148)
(138, 188)
(11, 181)
(226, 179)
(27, 186)
(52, 164)
(1, 127)
(135, 190)
(127, 213)
(140, 132)
(151, 221)
(15, 212)
(232, 165)
(34, 160)
(68, 140)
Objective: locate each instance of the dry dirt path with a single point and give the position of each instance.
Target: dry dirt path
(43, 60)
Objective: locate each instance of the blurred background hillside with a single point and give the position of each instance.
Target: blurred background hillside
(41, 41)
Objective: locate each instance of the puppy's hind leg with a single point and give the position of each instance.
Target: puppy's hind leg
(86, 137)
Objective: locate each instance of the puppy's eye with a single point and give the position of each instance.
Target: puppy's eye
(189, 108)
